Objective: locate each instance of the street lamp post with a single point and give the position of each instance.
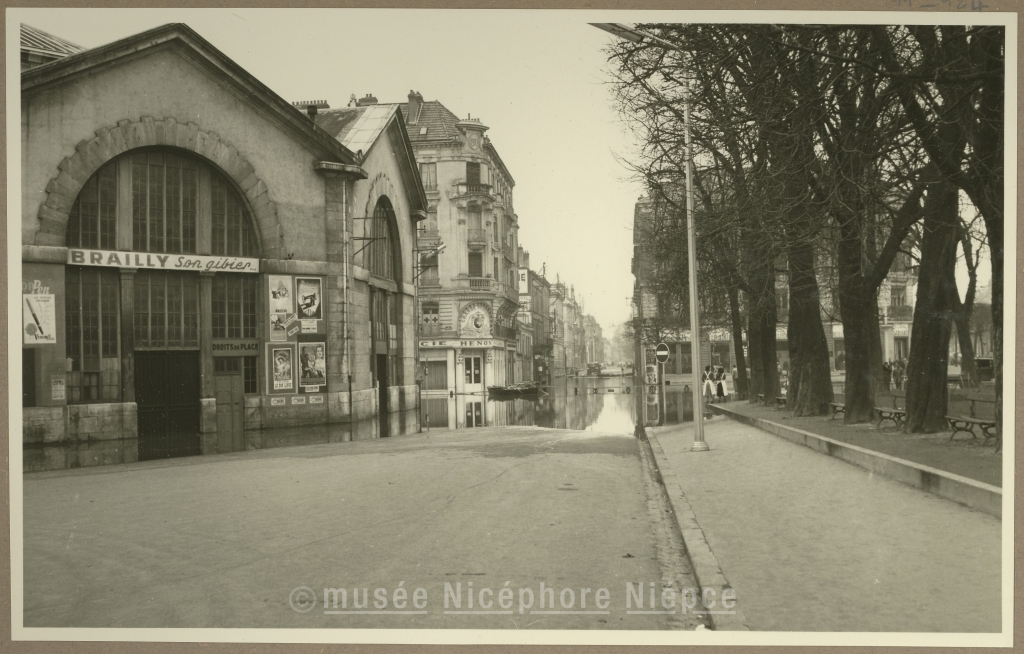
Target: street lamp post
(630, 34)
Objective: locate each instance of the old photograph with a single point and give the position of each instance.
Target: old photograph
(345, 325)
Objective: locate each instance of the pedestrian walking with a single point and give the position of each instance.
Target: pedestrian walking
(708, 389)
(720, 385)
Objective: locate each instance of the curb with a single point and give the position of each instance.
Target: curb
(973, 494)
(705, 565)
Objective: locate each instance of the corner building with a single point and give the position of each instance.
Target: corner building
(190, 278)
(467, 275)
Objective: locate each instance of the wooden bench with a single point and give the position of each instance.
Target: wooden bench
(966, 424)
(760, 398)
(895, 414)
(780, 402)
(837, 408)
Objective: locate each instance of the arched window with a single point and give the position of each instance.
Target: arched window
(180, 204)
(382, 260)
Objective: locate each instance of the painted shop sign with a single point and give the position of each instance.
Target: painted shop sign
(155, 261)
(236, 346)
(464, 342)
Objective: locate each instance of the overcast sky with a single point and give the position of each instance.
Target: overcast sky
(536, 79)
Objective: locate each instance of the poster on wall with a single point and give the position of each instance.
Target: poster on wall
(282, 306)
(39, 319)
(313, 362)
(309, 296)
(282, 368)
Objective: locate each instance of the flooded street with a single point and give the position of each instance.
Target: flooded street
(598, 404)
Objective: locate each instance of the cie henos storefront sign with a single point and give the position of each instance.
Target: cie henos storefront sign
(155, 261)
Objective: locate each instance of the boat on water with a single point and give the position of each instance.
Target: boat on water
(522, 390)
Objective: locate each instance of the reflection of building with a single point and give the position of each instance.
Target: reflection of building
(469, 292)
(172, 226)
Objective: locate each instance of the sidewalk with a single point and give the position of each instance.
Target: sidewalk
(963, 456)
(811, 543)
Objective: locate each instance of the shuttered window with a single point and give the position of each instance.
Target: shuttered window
(476, 264)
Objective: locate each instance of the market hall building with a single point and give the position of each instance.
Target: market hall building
(204, 269)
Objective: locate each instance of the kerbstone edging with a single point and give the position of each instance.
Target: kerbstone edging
(705, 566)
(969, 492)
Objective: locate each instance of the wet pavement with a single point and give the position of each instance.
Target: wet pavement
(269, 538)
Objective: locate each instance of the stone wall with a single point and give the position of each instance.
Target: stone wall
(79, 435)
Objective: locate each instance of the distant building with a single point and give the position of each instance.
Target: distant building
(895, 303)
(468, 273)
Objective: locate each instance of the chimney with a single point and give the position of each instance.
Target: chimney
(366, 100)
(311, 107)
(415, 103)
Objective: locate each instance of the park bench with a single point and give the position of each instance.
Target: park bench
(837, 408)
(760, 398)
(895, 414)
(966, 424)
(780, 402)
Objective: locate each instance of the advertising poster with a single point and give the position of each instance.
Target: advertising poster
(282, 366)
(39, 319)
(309, 296)
(313, 363)
(282, 306)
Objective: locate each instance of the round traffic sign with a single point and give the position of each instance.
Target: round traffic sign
(661, 353)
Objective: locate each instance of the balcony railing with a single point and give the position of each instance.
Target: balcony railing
(428, 237)
(501, 331)
(901, 312)
(462, 188)
(476, 236)
(429, 277)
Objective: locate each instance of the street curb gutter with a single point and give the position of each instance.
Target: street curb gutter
(974, 494)
(705, 566)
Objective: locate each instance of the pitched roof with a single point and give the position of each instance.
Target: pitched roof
(357, 127)
(185, 41)
(436, 123)
(37, 41)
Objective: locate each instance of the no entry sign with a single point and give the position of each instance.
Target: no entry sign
(661, 353)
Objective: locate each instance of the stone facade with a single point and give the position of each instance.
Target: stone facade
(301, 193)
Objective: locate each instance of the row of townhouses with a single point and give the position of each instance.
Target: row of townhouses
(207, 267)
(895, 305)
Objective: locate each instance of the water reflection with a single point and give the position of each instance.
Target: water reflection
(604, 404)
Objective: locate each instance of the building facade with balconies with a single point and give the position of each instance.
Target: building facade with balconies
(467, 274)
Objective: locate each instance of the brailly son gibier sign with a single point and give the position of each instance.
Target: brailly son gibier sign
(151, 260)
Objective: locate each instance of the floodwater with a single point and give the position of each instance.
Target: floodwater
(600, 404)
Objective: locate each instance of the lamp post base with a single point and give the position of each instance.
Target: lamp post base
(699, 446)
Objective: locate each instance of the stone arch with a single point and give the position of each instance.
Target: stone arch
(381, 187)
(127, 135)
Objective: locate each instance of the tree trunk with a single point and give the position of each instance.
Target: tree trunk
(810, 378)
(737, 341)
(855, 300)
(968, 366)
(763, 314)
(929, 354)
(756, 362)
